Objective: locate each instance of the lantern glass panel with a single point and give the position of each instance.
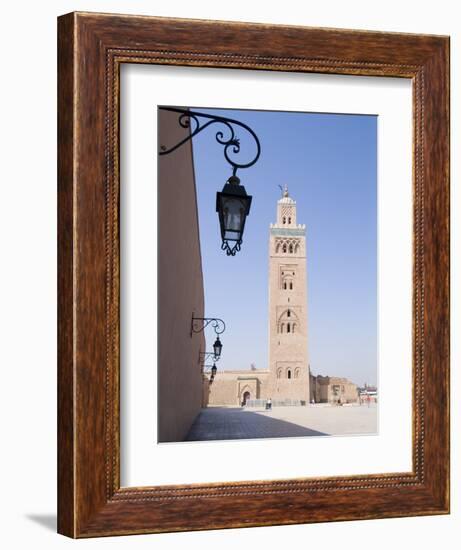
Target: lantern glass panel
(234, 209)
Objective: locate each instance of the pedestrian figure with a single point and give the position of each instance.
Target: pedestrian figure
(269, 404)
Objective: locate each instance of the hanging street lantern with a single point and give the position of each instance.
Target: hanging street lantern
(232, 203)
(217, 348)
(233, 206)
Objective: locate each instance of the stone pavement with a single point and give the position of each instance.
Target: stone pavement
(215, 423)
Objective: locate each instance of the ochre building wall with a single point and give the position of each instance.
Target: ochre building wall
(180, 283)
(331, 389)
(228, 387)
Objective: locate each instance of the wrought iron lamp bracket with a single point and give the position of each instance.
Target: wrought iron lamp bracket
(204, 355)
(199, 324)
(231, 143)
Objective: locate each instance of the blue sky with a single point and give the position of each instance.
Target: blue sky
(329, 163)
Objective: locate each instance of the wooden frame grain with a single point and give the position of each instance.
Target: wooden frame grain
(91, 48)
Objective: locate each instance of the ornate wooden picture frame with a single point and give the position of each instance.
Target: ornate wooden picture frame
(92, 48)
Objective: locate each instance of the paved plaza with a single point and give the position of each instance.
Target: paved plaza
(215, 423)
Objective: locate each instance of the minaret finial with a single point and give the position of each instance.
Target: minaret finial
(285, 192)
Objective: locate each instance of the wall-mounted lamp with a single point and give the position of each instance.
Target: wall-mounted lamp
(217, 348)
(232, 203)
(233, 206)
(213, 371)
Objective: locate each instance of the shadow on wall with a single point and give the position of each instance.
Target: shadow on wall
(236, 423)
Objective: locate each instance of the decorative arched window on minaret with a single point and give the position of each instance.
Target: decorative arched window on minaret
(287, 322)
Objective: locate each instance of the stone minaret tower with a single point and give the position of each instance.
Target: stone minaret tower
(288, 359)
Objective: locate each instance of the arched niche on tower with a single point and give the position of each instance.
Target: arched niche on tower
(288, 322)
(287, 282)
(288, 245)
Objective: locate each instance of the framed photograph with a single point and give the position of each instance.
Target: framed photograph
(253, 275)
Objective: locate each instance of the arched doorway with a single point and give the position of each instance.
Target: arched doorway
(245, 398)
